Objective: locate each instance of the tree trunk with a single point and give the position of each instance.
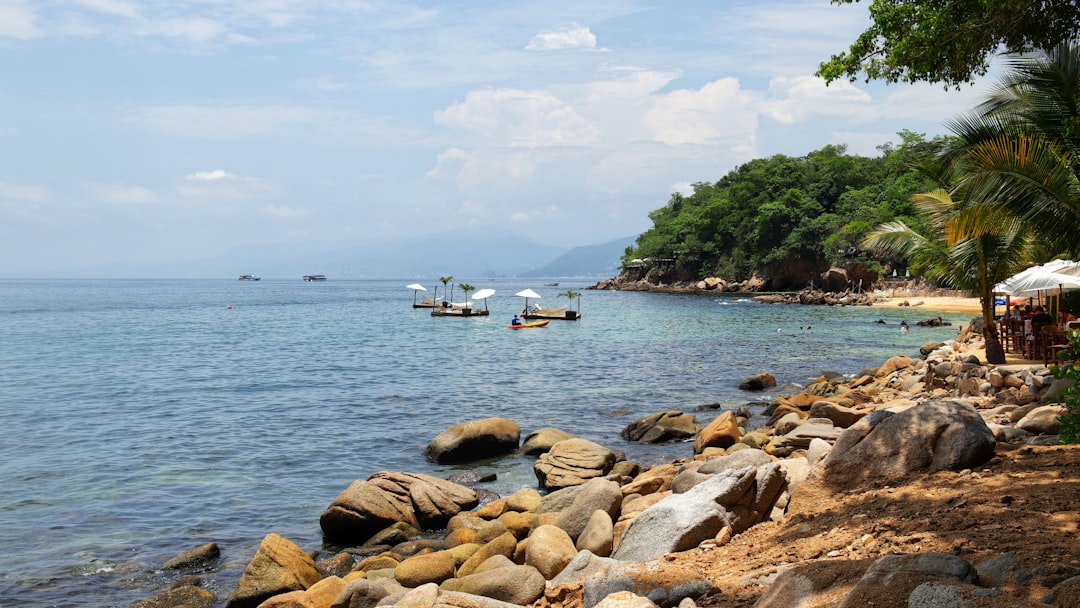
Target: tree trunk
(995, 352)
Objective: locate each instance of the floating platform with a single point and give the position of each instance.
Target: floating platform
(553, 313)
(458, 312)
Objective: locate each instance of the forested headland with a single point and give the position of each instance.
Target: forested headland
(785, 220)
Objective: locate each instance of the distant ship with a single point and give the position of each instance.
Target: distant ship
(314, 277)
(249, 277)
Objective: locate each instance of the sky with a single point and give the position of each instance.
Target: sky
(180, 129)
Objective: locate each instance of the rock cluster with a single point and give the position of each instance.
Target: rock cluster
(602, 528)
(815, 297)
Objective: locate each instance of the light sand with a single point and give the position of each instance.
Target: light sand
(938, 303)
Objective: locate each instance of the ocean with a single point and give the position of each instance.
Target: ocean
(141, 418)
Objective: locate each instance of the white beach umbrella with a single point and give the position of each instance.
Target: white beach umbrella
(484, 294)
(527, 293)
(1038, 278)
(415, 287)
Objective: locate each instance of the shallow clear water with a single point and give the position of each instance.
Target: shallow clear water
(142, 418)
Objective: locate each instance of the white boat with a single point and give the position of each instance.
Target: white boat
(249, 277)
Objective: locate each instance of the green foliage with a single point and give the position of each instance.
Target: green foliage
(814, 208)
(948, 42)
(1070, 397)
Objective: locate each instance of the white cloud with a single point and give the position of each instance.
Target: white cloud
(794, 100)
(284, 211)
(23, 192)
(569, 36)
(542, 213)
(209, 176)
(18, 21)
(122, 194)
(193, 29)
(447, 163)
(631, 83)
(119, 8)
(718, 111)
(683, 188)
(220, 184)
(516, 118)
(483, 168)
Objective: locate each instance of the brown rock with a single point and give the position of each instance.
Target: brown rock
(422, 569)
(550, 548)
(279, 566)
(573, 462)
(503, 545)
(759, 382)
(474, 440)
(722, 432)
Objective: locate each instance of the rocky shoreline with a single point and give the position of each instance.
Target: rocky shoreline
(602, 531)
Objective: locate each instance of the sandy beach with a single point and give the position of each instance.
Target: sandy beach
(939, 303)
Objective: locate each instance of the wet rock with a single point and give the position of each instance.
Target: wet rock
(474, 440)
(279, 566)
(661, 427)
(541, 440)
(759, 382)
(199, 556)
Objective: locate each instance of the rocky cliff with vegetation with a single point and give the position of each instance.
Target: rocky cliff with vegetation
(782, 223)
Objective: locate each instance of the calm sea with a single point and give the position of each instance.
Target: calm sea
(141, 418)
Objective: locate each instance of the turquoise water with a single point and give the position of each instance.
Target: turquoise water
(142, 418)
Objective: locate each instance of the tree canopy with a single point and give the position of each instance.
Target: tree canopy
(815, 209)
(949, 41)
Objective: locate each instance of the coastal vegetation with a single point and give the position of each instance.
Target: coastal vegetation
(789, 218)
(967, 210)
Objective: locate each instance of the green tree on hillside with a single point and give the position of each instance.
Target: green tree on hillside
(766, 212)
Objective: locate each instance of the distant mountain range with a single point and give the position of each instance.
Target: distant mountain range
(586, 261)
(473, 252)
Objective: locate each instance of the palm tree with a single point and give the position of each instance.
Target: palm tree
(962, 254)
(466, 288)
(1021, 150)
(570, 294)
(446, 280)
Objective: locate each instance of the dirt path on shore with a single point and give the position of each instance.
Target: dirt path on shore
(1025, 501)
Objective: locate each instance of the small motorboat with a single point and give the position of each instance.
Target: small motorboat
(249, 277)
(529, 324)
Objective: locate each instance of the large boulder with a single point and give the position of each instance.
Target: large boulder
(722, 432)
(932, 436)
(573, 462)
(474, 440)
(549, 550)
(433, 501)
(595, 495)
(387, 497)
(758, 382)
(661, 427)
(279, 566)
(682, 521)
(514, 584)
(541, 440)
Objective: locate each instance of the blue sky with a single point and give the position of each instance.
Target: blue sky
(178, 129)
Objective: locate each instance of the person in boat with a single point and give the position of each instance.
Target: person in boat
(515, 321)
